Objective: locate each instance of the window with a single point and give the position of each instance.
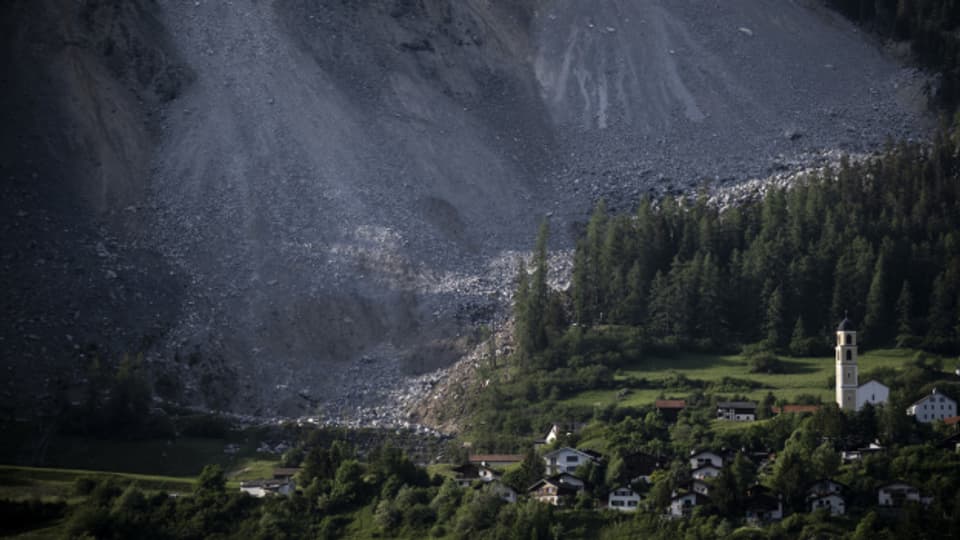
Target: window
(572, 459)
(849, 354)
(631, 503)
(617, 503)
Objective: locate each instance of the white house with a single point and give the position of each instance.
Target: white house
(696, 486)
(567, 460)
(683, 505)
(873, 392)
(831, 503)
(704, 472)
(936, 406)
(896, 494)
(826, 494)
(623, 499)
(552, 435)
(858, 453)
(705, 457)
(263, 488)
(737, 411)
(503, 491)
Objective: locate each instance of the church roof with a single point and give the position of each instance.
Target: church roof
(846, 325)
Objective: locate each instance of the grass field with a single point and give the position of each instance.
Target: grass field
(803, 376)
(19, 483)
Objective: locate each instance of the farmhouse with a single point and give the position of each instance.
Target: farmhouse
(567, 459)
(737, 411)
(762, 506)
(554, 490)
(826, 494)
(670, 408)
(503, 491)
(263, 488)
(623, 499)
(704, 472)
(896, 494)
(936, 406)
(282, 483)
(705, 457)
(682, 505)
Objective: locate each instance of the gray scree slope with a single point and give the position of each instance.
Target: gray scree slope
(318, 196)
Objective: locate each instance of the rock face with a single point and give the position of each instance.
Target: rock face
(314, 199)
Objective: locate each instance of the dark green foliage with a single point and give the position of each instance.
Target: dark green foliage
(20, 516)
(787, 267)
(764, 362)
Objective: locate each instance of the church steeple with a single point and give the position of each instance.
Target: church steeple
(846, 361)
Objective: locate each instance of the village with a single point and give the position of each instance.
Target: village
(569, 471)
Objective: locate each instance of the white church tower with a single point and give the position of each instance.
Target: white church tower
(846, 366)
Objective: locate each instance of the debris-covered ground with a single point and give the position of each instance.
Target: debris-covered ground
(306, 202)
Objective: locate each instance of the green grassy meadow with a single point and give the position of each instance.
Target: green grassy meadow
(802, 376)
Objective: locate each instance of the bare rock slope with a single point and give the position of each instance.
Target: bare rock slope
(315, 198)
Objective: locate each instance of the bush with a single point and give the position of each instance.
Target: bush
(765, 362)
(420, 515)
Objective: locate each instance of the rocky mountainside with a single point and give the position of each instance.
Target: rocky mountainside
(293, 205)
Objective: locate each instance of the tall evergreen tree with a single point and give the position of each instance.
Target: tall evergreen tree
(905, 331)
(876, 326)
(774, 321)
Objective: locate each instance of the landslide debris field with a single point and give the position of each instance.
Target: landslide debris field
(292, 204)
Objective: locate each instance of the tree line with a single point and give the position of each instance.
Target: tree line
(877, 241)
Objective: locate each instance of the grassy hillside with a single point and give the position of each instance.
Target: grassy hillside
(802, 376)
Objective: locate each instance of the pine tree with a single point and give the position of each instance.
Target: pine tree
(774, 321)
(940, 321)
(520, 309)
(905, 331)
(875, 322)
(798, 340)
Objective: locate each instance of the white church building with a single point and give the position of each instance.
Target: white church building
(850, 395)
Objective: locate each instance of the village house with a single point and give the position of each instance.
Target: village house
(670, 408)
(936, 406)
(762, 506)
(737, 411)
(282, 483)
(705, 457)
(567, 459)
(495, 460)
(704, 472)
(556, 490)
(503, 491)
(558, 430)
(468, 473)
(857, 454)
(826, 494)
(624, 499)
(682, 505)
(896, 494)
(695, 486)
